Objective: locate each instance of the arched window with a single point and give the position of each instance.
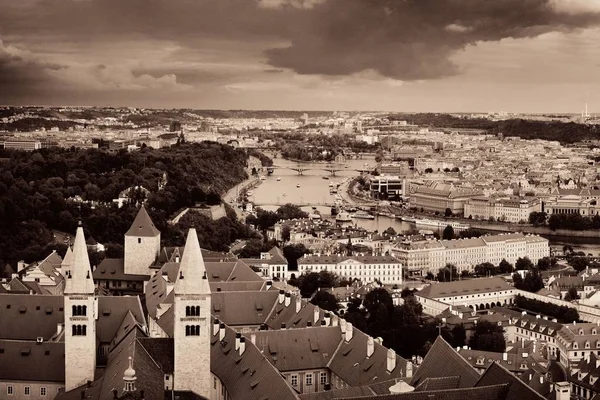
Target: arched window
(192, 330)
(84, 310)
(188, 311)
(187, 330)
(84, 328)
(74, 328)
(75, 310)
(197, 311)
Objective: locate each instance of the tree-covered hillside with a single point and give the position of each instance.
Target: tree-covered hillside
(37, 192)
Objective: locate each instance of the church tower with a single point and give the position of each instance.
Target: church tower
(142, 244)
(80, 318)
(192, 312)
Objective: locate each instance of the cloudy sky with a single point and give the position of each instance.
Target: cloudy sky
(403, 55)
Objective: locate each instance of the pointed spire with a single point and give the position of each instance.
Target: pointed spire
(192, 277)
(67, 262)
(81, 281)
(142, 225)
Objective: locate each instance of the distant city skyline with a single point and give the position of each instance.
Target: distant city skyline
(516, 56)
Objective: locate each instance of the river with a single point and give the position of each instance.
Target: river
(281, 188)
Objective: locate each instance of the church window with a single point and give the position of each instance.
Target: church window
(192, 330)
(192, 311)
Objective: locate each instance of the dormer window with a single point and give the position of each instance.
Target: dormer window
(575, 346)
(480, 361)
(593, 379)
(587, 345)
(550, 331)
(594, 331)
(581, 331)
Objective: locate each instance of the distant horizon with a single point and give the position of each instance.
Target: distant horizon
(300, 110)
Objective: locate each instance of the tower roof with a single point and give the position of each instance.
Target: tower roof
(68, 260)
(142, 225)
(192, 277)
(80, 280)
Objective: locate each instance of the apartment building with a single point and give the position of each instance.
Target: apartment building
(439, 196)
(513, 210)
(421, 257)
(366, 268)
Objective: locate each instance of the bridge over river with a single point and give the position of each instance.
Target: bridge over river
(328, 167)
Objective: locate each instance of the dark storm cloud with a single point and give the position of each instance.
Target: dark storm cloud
(400, 39)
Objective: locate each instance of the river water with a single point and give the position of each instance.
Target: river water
(281, 188)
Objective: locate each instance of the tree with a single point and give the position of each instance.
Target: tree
(390, 232)
(448, 233)
(538, 218)
(448, 273)
(448, 212)
(325, 301)
(290, 211)
(428, 170)
(409, 313)
(459, 336)
(378, 296)
(523, 264)
(544, 264)
(292, 253)
(571, 294)
(285, 233)
(488, 337)
(532, 282)
(505, 267)
(579, 263)
(486, 269)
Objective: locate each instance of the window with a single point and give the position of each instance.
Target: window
(42, 391)
(79, 310)
(323, 378)
(214, 383)
(192, 311)
(294, 380)
(79, 330)
(309, 379)
(192, 330)
(10, 390)
(139, 240)
(27, 390)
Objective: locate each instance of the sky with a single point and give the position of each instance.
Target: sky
(389, 55)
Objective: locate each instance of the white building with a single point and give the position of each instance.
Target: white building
(366, 268)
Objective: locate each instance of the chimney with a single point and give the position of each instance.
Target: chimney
(216, 326)
(504, 356)
(542, 379)
(269, 284)
(334, 320)
(315, 315)
(288, 299)
(221, 331)
(563, 390)
(409, 369)
(597, 362)
(59, 329)
(238, 337)
(253, 338)
(298, 304)
(281, 297)
(242, 346)
(327, 318)
(343, 326)
(349, 332)
(391, 360)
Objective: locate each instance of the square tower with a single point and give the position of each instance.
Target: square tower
(80, 318)
(142, 244)
(192, 325)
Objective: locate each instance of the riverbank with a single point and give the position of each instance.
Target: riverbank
(485, 225)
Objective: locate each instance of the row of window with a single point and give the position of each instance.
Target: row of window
(79, 310)
(192, 311)
(10, 390)
(79, 330)
(308, 379)
(192, 330)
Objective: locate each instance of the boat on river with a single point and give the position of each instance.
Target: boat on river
(441, 224)
(297, 185)
(263, 178)
(325, 177)
(362, 215)
(343, 217)
(278, 179)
